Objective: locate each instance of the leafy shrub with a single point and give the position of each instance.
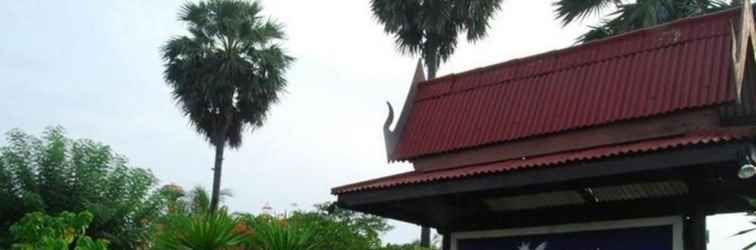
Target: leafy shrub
(207, 231)
(270, 233)
(220, 231)
(340, 229)
(53, 174)
(40, 231)
(196, 201)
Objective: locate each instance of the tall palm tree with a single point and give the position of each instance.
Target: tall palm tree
(622, 16)
(226, 72)
(430, 29)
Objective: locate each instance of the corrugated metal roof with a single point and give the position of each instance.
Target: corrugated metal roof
(416, 177)
(678, 66)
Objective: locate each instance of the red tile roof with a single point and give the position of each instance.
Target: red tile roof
(552, 160)
(667, 68)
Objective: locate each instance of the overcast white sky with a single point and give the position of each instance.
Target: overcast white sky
(94, 67)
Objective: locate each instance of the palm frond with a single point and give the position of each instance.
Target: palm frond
(749, 246)
(429, 28)
(634, 15)
(569, 11)
(744, 232)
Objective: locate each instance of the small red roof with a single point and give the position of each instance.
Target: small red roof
(552, 160)
(667, 68)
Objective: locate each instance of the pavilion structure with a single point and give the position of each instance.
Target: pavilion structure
(623, 143)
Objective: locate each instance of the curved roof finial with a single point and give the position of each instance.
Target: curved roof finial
(391, 138)
(742, 39)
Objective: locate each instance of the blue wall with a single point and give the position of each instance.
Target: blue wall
(644, 238)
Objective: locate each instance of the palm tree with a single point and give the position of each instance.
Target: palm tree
(430, 28)
(627, 16)
(226, 72)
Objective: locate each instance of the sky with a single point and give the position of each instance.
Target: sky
(94, 67)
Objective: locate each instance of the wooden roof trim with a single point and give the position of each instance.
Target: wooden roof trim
(612, 134)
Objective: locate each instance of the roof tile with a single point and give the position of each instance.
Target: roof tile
(668, 68)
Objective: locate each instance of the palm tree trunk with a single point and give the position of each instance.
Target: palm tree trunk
(432, 68)
(425, 232)
(215, 198)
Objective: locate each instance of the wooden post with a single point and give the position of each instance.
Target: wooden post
(695, 231)
(446, 241)
(694, 226)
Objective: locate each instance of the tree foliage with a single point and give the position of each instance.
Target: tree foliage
(189, 224)
(270, 233)
(624, 16)
(431, 28)
(226, 72)
(196, 201)
(53, 174)
(340, 229)
(65, 231)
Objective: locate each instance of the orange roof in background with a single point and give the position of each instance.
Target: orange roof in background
(672, 67)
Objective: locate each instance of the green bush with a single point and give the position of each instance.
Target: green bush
(53, 173)
(208, 231)
(270, 233)
(40, 231)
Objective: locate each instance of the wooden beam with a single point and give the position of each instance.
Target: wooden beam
(470, 204)
(571, 214)
(386, 211)
(467, 211)
(412, 211)
(623, 132)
